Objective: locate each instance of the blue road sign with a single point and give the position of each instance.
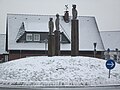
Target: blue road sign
(110, 64)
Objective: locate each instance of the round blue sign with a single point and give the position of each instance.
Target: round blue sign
(110, 64)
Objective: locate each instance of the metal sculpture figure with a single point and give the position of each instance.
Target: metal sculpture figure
(74, 12)
(51, 26)
(57, 22)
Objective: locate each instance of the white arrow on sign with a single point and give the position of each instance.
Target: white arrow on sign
(110, 64)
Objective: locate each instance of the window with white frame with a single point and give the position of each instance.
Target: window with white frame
(36, 37)
(29, 37)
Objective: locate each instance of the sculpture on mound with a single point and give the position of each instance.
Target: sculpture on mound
(74, 33)
(66, 15)
(51, 38)
(57, 22)
(51, 26)
(57, 36)
(74, 12)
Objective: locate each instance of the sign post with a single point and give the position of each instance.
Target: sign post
(109, 73)
(110, 64)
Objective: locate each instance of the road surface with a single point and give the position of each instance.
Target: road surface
(86, 88)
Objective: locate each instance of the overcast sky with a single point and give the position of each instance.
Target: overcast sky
(106, 12)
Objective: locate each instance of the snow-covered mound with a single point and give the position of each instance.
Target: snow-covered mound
(64, 70)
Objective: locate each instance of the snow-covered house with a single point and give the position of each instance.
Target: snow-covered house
(27, 35)
(111, 40)
(2, 45)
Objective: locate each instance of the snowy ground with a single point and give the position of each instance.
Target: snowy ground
(65, 70)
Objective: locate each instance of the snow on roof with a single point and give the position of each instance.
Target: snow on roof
(36, 27)
(111, 39)
(2, 43)
(88, 31)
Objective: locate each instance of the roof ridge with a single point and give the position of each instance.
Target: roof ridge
(27, 14)
(23, 14)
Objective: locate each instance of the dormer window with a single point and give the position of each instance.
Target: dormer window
(36, 37)
(29, 37)
(36, 32)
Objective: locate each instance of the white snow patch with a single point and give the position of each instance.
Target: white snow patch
(58, 70)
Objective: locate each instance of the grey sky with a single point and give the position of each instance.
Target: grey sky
(107, 12)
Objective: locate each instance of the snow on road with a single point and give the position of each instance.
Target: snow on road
(64, 69)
